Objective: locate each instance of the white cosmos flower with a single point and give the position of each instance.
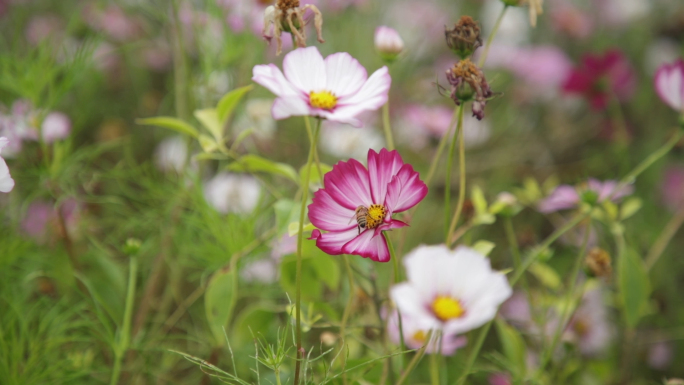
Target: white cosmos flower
(6, 181)
(232, 193)
(336, 88)
(450, 290)
(170, 154)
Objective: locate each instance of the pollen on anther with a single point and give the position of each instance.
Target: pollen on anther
(323, 99)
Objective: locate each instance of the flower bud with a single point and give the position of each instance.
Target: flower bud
(598, 263)
(56, 126)
(506, 204)
(464, 38)
(388, 43)
(132, 247)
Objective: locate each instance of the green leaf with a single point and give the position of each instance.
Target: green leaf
(285, 213)
(634, 285)
(318, 269)
(255, 163)
(218, 303)
(207, 143)
(254, 319)
(479, 201)
(229, 101)
(630, 207)
(293, 228)
(546, 275)
(210, 120)
(484, 247)
(170, 123)
(513, 346)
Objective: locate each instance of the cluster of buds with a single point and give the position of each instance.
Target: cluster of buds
(288, 16)
(468, 83)
(467, 80)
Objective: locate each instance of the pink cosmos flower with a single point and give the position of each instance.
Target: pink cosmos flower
(594, 191)
(415, 334)
(672, 187)
(336, 88)
(600, 76)
(386, 187)
(449, 290)
(6, 181)
(669, 84)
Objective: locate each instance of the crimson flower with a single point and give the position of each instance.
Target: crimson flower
(600, 76)
(356, 204)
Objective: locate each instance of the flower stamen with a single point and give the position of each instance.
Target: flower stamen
(446, 308)
(376, 215)
(323, 99)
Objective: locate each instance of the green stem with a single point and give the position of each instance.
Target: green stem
(416, 359)
(517, 259)
(447, 177)
(307, 123)
(483, 58)
(125, 335)
(434, 368)
(387, 127)
(393, 256)
(300, 238)
(665, 237)
(569, 303)
(462, 179)
(440, 148)
(345, 315)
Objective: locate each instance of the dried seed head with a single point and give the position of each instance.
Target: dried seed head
(288, 16)
(464, 38)
(598, 263)
(468, 82)
(287, 4)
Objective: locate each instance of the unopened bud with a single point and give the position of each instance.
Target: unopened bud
(132, 247)
(598, 263)
(506, 204)
(464, 38)
(328, 338)
(388, 43)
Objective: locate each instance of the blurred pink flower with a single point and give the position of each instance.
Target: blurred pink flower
(283, 246)
(672, 187)
(669, 84)
(386, 187)
(594, 191)
(44, 27)
(41, 220)
(599, 77)
(422, 24)
(660, 355)
(516, 310)
(336, 88)
(454, 291)
(113, 22)
(56, 126)
(499, 379)
(20, 123)
(589, 326)
(416, 330)
(569, 19)
(388, 43)
(6, 181)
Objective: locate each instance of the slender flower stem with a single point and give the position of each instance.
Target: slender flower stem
(518, 273)
(434, 369)
(462, 179)
(569, 305)
(125, 335)
(517, 259)
(416, 359)
(665, 237)
(440, 147)
(387, 126)
(300, 237)
(307, 123)
(393, 256)
(483, 58)
(447, 177)
(345, 315)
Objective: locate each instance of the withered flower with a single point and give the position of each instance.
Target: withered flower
(288, 16)
(464, 38)
(598, 263)
(468, 83)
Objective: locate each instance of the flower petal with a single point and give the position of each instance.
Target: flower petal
(332, 242)
(392, 224)
(289, 106)
(270, 77)
(348, 184)
(345, 74)
(405, 190)
(368, 245)
(325, 213)
(305, 69)
(6, 181)
(371, 96)
(563, 197)
(669, 84)
(381, 168)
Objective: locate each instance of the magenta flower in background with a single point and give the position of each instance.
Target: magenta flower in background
(599, 77)
(415, 335)
(449, 290)
(336, 88)
(669, 84)
(386, 187)
(672, 187)
(594, 191)
(6, 181)
(499, 379)
(56, 126)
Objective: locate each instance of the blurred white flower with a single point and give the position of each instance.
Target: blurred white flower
(232, 193)
(257, 117)
(589, 327)
(171, 153)
(6, 181)
(344, 141)
(263, 270)
(56, 126)
(450, 290)
(514, 28)
(621, 13)
(416, 331)
(659, 52)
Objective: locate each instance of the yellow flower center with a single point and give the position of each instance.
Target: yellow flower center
(376, 214)
(323, 99)
(447, 308)
(419, 336)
